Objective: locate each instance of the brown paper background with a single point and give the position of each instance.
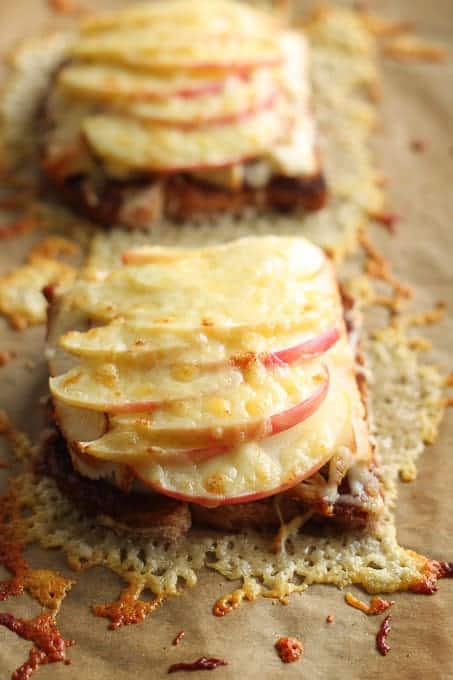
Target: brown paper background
(417, 103)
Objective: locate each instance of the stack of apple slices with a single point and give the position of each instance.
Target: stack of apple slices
(177, 86)
(219, 375)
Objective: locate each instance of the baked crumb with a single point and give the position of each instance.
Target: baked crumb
(379, 268)
(289, 649)
(418, 145)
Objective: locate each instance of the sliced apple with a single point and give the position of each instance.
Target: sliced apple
(135, 456)
(265, 403)
(164, 310)
(254, 470)
(272, 292)
(253, 255)
(269, 259)
(150, 48)
(224, 108)
(216, 15)
(130, 144)
(113, 83)
(145, 385)
(120, 342)
(138, 388)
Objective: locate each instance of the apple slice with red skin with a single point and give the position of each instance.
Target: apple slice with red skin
(255, 470)
(206, 121)
(109, 82)
(220, 374)
(170, 150)
(240, 68)
(232, 500)
(124, 437)
(309, 349)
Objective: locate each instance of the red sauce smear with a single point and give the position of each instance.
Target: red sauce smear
(289, 649)
(49, 647)
(381, 637)
(201, 664)
(178, 638)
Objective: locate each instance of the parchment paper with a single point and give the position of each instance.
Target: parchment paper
(417, 103)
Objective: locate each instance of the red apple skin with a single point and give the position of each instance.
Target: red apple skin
(190, 91)
(297, 414)
(234, 500)
(261, 429)
(305, 350)
(243, 69)
(264, 105)
(297, 354)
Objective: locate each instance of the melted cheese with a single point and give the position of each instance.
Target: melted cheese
(221, 15)
(114, 83)
(128, 144)
(114, 387)
(237, 412)
(256, 469)
(122, 341)
(148, 48)
(21, 296)
(191, 117)
(238, 99)
(172, 300)
(200, 428)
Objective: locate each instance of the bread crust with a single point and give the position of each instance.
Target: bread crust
(136, 203)
(154, 517)
(163, 519)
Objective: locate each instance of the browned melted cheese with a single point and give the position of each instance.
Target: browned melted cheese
(49, 646)
(376, 606)
(289, 649)
(128, 609)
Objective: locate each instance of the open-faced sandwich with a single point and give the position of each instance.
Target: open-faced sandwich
(179, 108)
(219, 386)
